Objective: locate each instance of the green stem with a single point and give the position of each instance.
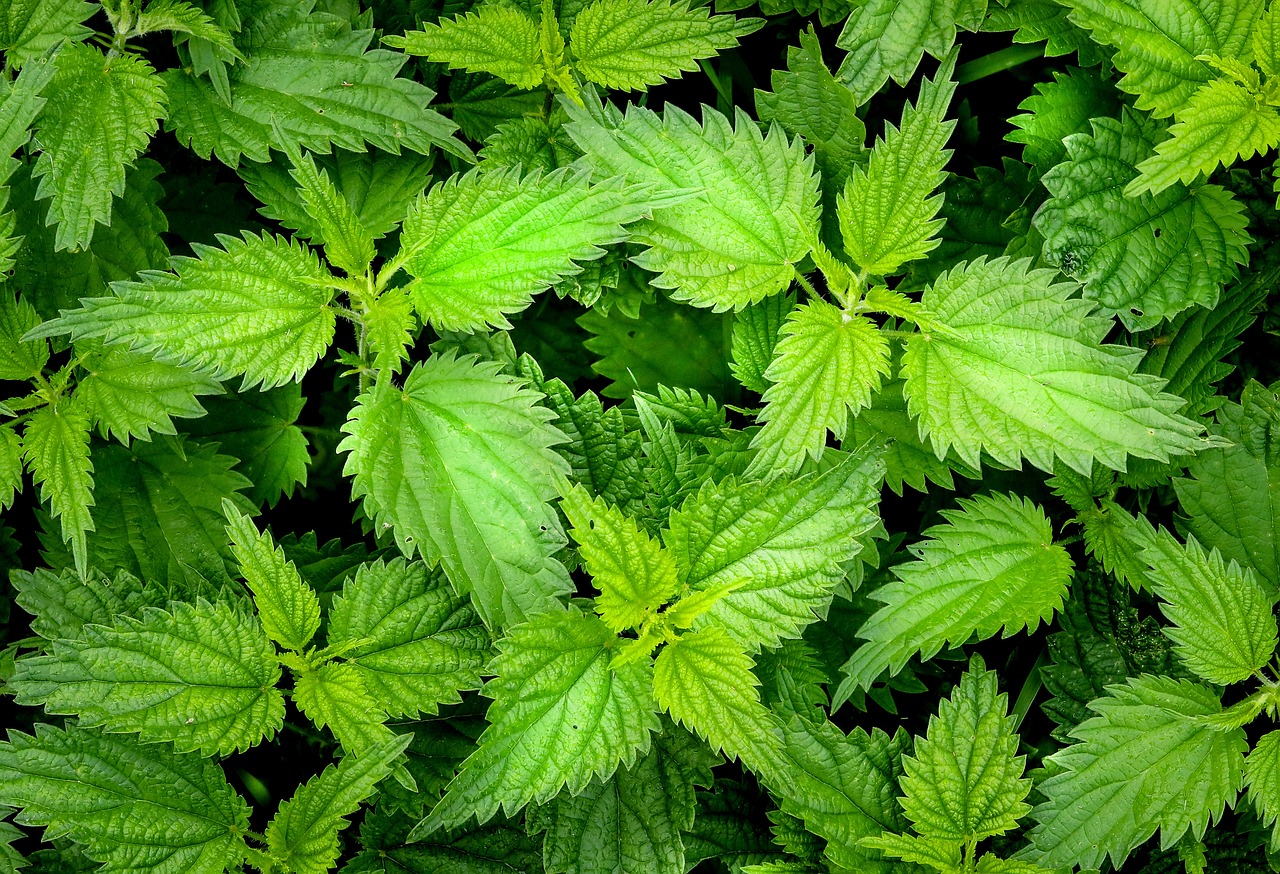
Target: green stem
(806, 284)
(998, 62)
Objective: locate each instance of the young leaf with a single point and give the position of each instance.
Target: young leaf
(704, 681)
(131, 394)
(19, 360)
(1127, 249)
(964, 782)
(55, 446)
(1158, 43)
(257, 308)
(414, 643)
(992, 567)
(784, 542)
(826, 366)
(303, 835)
(1023, 374)
(887, 210)
(31, 28)
(333, 695)
(1262, 776)
(114, 103)
(750, 200)
(634, 574)
(391, 326)
(288, 607)
(180, 16)
(482, 245)
(583, 720)
(348, 244)
(458, 463)
(1223, 624)
(632, 44)
(940, 854)
(133, 807)
(201, 676)
(1146, 761)
(497, 39)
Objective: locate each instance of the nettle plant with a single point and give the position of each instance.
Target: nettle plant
(685, 453)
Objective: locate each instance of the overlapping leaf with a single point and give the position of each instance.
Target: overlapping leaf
(31, 28)
(55, 446)
(334, 696)
(1262, 776)
(288, 607)
(497, 39)
(61, 604)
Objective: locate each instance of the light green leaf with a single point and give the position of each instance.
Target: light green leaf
(559, 718)
(114, 104)
(458, 463)
(964, 781)
(1059, 109)
(753, 203)
(257, 308)
(303, 835)
(288, 607)
(992, 567)
(201, 676)
(180, 16)
(61, 604)
(19, 360)
(10, 466)
(704, 681)
(634, 574)
(308, 74)
(826, 365)
(755, 336)
(414, 643)
(940, 854)
(131, 394)
(1231, 495)
(782, 543)
(135, 808)
(55, 446)
(496, 38)
(391, 326)
(846, 787)
(1221, 123)
(30, 28)
(333, 695)
(632, 44)
(482, 245)
(348, 244)
(1143, 257)
(1023, 374)
(1262, 776)
(1265, 42)
(1158, 42)
(1146, 761)
(888, 210)
(1223, 624)
(887, 38)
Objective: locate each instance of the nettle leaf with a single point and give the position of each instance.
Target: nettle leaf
(348, 244)
(19, 360)
(257, 308)
(1223, 122)
(63, 603)
(887, 210)
(495, 38)
(482, 245)
(601, 449)
(755, 336)
(1148, 760)
(937, 853)
(131, 394)
(964, 781)
(1044, 21)
(1231, 495)
(1262, 776)
(31, 28)
(885, 38)
(992, 567)
(1022, 373)
(334, 696)
(55, 446)
(1223, 622)
(1143, 257)
(634, 574)
(632, 44)
(99, 114)
(10, 466)
(750, 200)
(179, 16)
(133, 807)
(704, 681)
(288, 607)
(784, 541)
(414, 643)
(303, 835)
(1158, 43)
(201, 676)
(826, 365)
(584, 720)
(309, 75)
(1059, 109)
(458, 463)
(846, 787)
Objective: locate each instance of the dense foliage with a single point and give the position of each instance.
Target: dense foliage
(431, 443)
